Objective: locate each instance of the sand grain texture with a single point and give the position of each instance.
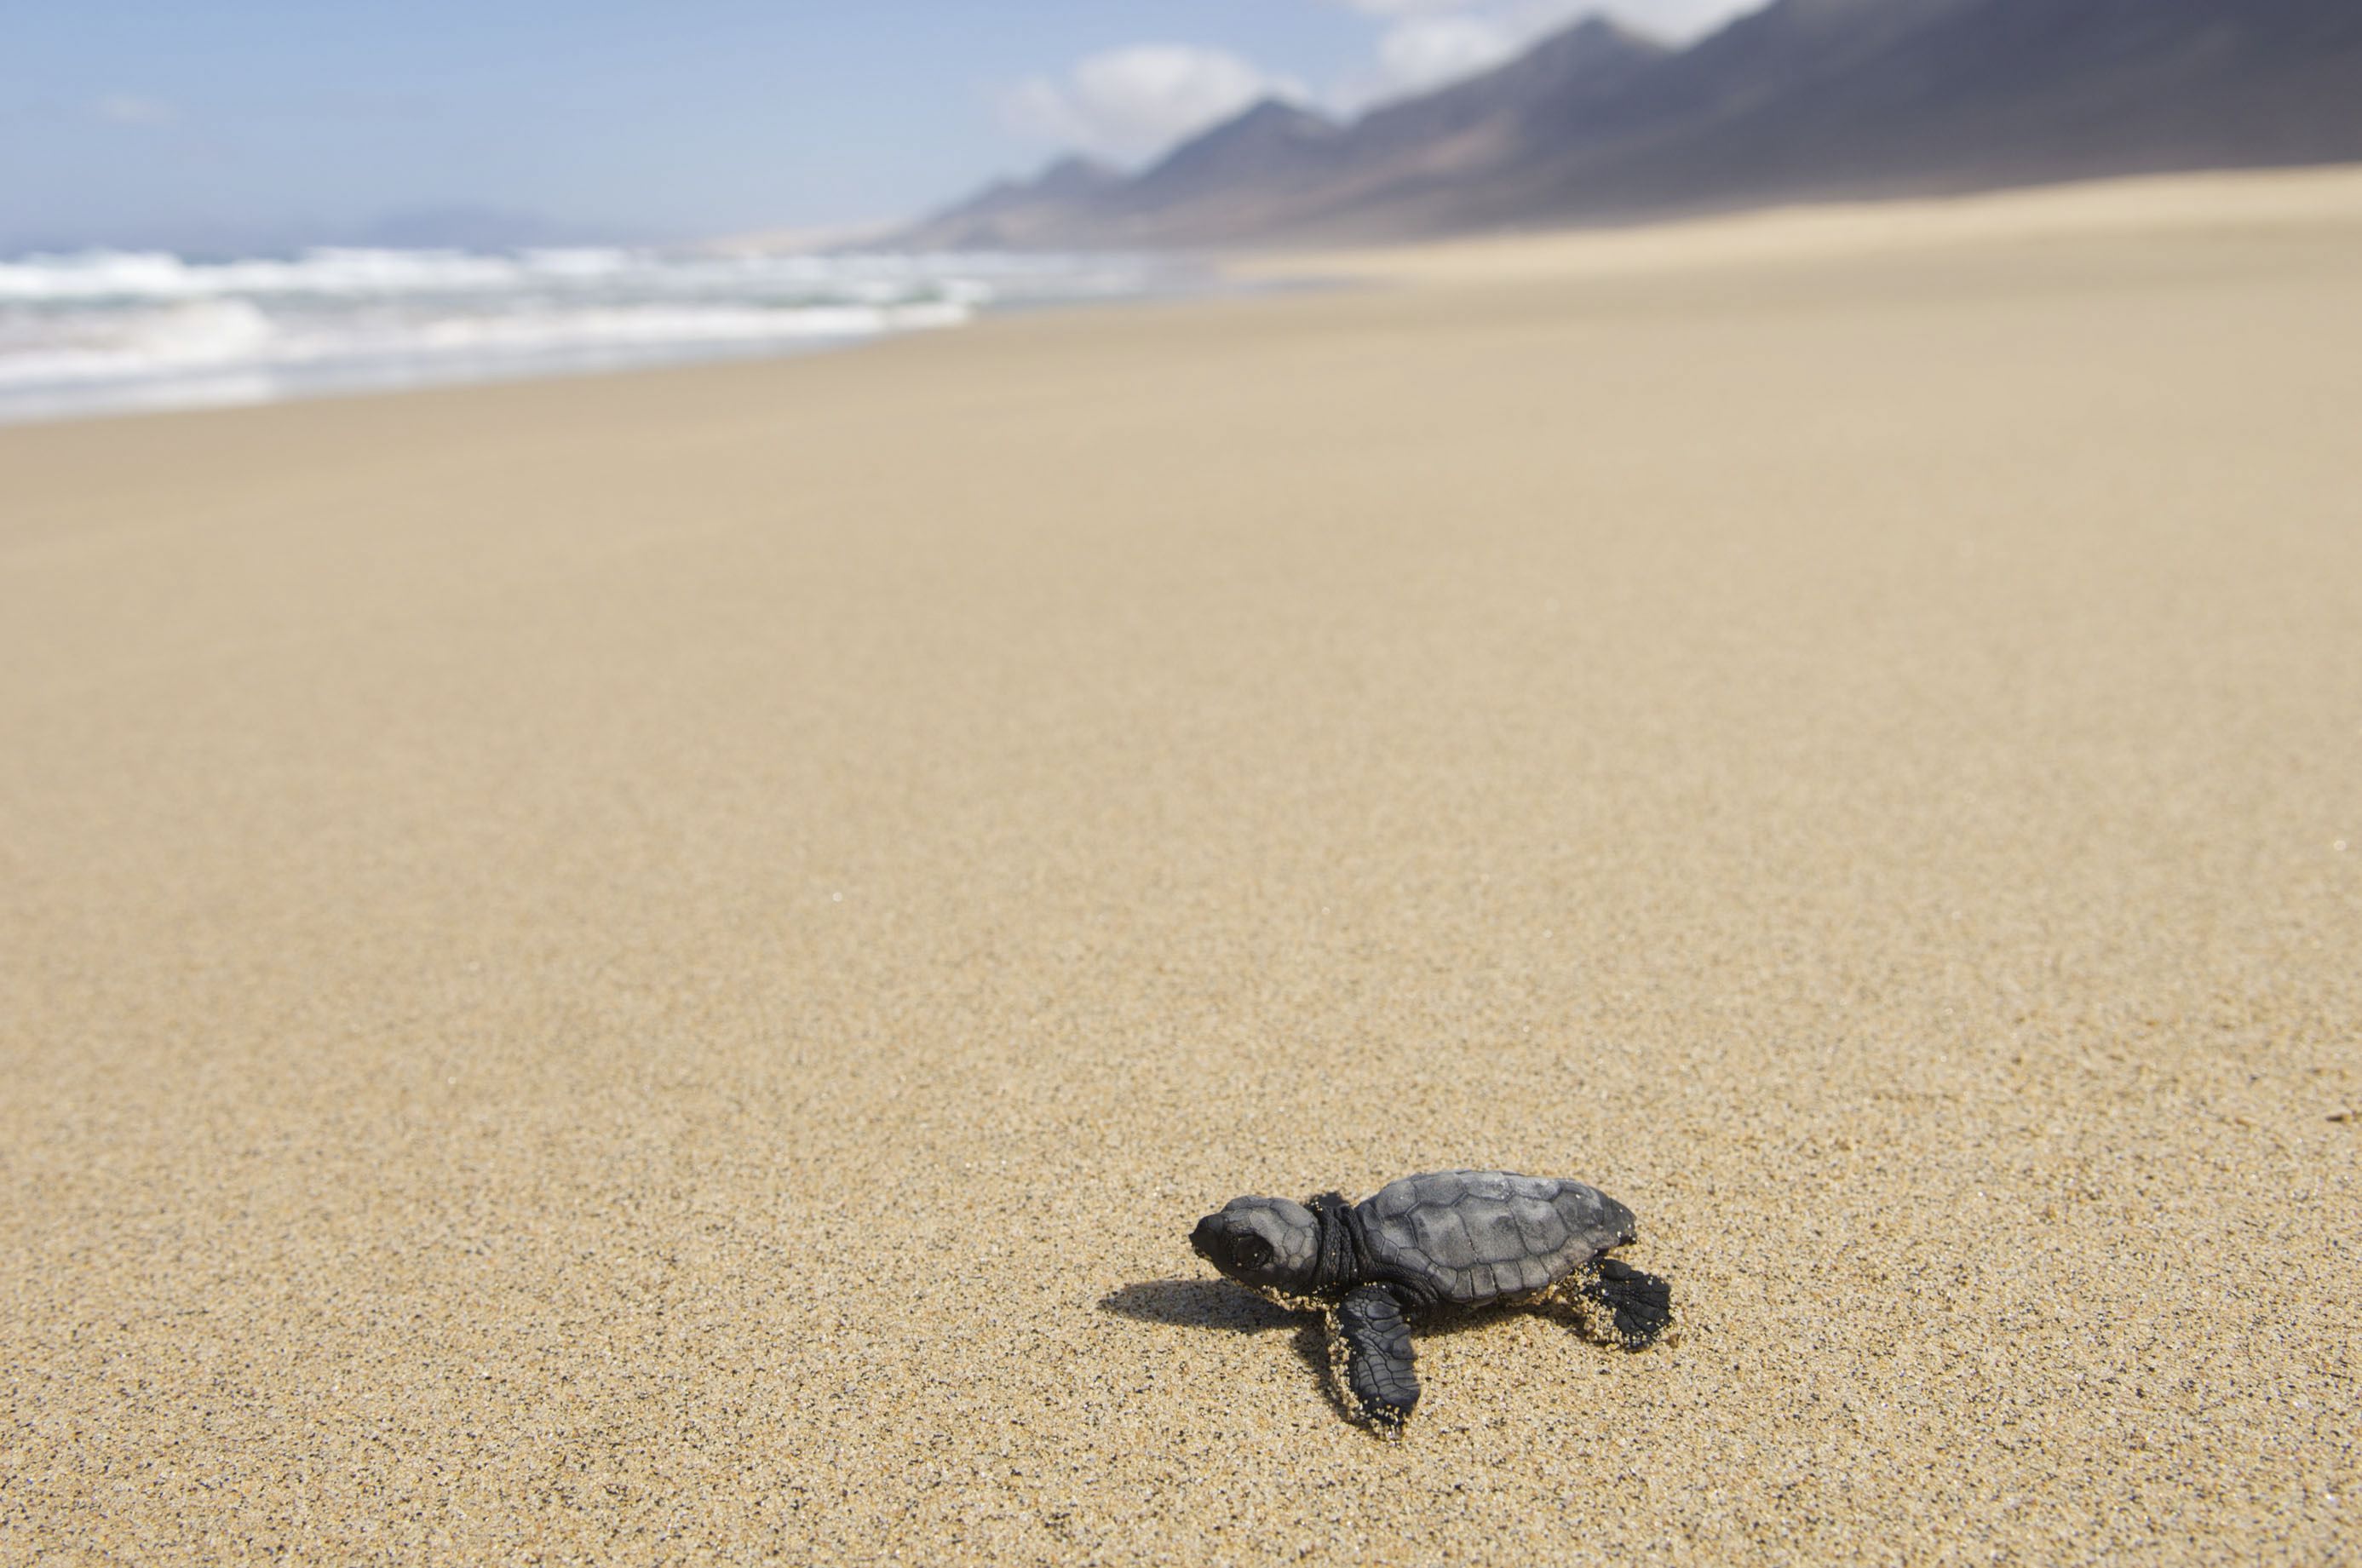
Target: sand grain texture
(654, 968)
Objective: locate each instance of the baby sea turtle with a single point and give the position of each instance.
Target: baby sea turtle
(1426, 1244)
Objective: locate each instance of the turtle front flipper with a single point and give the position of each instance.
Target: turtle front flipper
(1630, 1308)
(1369, 1347)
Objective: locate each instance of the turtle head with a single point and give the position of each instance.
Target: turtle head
(1266, 1242)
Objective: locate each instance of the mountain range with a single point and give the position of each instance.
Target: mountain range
(1802, 100)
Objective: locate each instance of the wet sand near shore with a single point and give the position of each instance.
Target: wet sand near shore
(657, 968)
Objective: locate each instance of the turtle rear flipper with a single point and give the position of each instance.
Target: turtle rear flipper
(1631, 1308)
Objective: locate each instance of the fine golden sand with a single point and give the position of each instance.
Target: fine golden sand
(656, 968)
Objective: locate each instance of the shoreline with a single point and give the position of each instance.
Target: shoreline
(1785, 235)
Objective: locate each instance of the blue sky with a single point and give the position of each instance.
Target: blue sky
(232, 122)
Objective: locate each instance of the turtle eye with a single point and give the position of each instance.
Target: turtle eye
(1253, 1252)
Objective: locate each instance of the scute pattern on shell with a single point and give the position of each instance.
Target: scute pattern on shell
(1475, 1236)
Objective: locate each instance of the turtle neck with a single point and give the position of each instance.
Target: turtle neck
(1339, 1266)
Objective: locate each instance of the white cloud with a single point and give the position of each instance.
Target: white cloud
(1426, 52)
(1671, 17)
(1426, 43)
(1130, 103)
(130, 109)
(1678, 20)
(1401, 8)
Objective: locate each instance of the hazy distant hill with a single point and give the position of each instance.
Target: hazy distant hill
(1803, 98)
(1020, 215)
(461, 225)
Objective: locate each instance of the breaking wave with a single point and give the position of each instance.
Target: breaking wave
(106, 331)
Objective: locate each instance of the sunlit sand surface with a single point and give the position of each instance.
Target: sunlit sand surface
(657, 968)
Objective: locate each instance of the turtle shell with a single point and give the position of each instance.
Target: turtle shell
(1475, 1236)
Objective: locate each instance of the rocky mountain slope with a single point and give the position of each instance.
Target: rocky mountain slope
(1804, 99)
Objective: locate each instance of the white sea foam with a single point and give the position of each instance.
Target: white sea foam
(106, 330)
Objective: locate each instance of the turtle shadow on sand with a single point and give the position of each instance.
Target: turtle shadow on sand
(1219, 1304)
(1199, 1303)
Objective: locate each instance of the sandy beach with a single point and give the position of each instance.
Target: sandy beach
(654, 968)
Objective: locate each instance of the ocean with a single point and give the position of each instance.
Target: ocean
(110, 331)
